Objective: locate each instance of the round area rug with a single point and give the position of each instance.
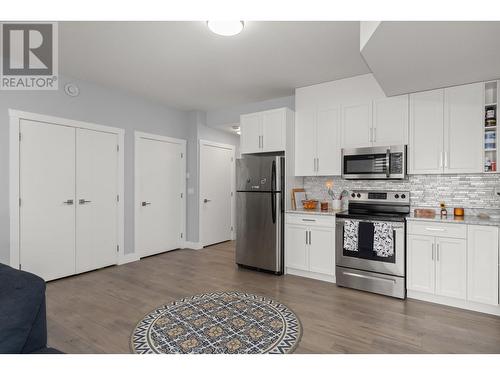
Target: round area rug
(220, 322)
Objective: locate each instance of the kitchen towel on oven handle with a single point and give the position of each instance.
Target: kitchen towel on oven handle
(351, 229)
(383, 241)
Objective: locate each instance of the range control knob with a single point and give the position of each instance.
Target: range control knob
(353, 195)
(403, 196)
(397, 196)
(358, 195)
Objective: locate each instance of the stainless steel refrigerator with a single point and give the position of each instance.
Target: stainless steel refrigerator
(260, 212)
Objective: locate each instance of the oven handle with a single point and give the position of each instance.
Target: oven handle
(388, 163)
(369, 277)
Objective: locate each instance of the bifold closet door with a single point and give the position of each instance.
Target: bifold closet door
(47, 191)
(96, 199)
(159, 196)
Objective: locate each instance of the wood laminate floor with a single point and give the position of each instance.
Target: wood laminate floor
(97, 311)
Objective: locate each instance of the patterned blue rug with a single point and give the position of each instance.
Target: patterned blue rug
(220, 322)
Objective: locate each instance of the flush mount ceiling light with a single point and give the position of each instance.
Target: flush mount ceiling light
(225, 28)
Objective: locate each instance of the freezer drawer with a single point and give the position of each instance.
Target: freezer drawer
(259, 231)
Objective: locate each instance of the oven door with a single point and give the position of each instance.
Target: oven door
(374, 163)
(388, 261)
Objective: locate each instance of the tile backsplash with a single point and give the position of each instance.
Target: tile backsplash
(468, 191)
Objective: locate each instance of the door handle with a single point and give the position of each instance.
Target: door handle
(83, 201)
(69, 202)
(144, 204)
(206, 200)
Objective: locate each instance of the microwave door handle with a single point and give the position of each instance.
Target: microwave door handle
(388, 163)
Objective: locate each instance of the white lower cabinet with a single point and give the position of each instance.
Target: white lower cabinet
(310, 246)
(451, 267)
(453, 264)
(482, 264)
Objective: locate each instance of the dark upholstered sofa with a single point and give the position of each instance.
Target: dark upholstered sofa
(23, 323)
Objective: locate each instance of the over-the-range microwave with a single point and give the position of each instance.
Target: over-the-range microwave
(374, 163)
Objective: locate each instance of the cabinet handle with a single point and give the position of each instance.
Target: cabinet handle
(446, 159)
(435, 229)
(371, 134)
(306, 237)
(374, 134)
(437, 252)
(441, 159)
(317, 165)
(310, 237)
(262, 137)
(313, 220)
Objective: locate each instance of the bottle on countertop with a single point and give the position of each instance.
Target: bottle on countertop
(444, 211)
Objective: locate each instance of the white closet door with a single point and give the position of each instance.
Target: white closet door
(216, 166)
(96, 194)
(159, 206)
(47, 191)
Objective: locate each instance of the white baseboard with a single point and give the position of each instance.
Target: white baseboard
(310, 275)
(128, 258)
(192, 245)
(453, 302)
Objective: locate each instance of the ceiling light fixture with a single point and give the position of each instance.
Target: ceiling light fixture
(226, 28)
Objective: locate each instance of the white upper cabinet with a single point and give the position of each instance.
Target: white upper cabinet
(328, 143)
(446, 130)
(482, 264)
(305, 143)
(381, 122)
(274, 130)
(357, 125)
(426, 132)
(390, 121)
(463, 128)
(264, 131)
(317, 143)
(251, 133)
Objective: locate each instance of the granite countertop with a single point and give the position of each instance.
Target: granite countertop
(467, 219)
(317, 211)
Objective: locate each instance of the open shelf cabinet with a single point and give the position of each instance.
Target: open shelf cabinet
(491, 90)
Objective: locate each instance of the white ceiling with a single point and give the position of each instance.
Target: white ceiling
(415, 56)
(184, 65)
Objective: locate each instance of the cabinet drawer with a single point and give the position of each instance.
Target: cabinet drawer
(427, 228)
(311, 220)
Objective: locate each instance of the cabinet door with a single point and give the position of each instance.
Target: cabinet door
(420, 263)
(451, 267)
(426, 132)
(356, 125)
(390, 121)
(463, 129)
(322, 250)
(296, 248)
(305, 143)
(328, 143)
(273, 130)
(482, 264)
(251, 132)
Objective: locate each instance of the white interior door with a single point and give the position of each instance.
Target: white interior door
(216, 175)
(47, 191)
(158, 199)
(96, 199)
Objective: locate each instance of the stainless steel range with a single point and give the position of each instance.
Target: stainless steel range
(371, 242)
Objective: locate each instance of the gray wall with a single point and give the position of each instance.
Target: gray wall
(232, 115)
(94, 104)
(200, 131)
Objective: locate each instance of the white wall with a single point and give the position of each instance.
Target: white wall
(231, 115)
(94, 104)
